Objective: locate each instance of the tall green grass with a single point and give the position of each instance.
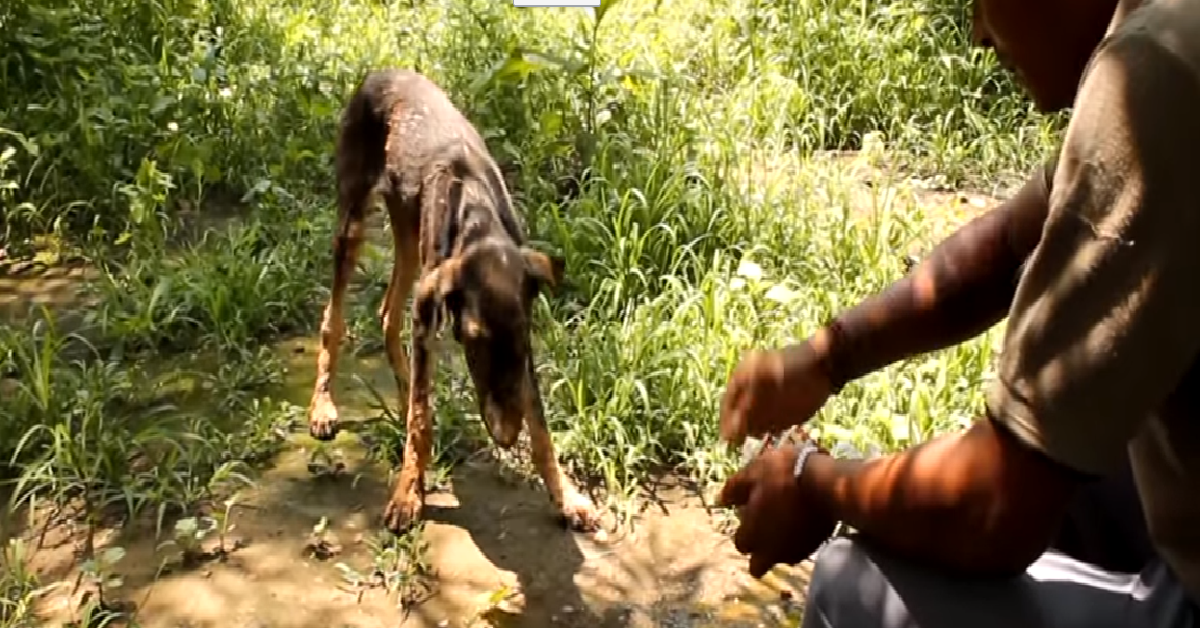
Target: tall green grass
(185, 147)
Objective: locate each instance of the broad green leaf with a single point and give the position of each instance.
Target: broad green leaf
(551, 123)
(605, 5)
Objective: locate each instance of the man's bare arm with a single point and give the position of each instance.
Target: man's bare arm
(963, 287)
(976, 503)
(1101, 332)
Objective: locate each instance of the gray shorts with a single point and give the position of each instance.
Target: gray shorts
(855, 587)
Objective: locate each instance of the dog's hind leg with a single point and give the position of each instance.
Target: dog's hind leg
(577, 511)
(356, 183)
(359, 159)
(322, 411)
(405, 265)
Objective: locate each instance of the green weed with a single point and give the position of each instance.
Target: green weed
(681, 155)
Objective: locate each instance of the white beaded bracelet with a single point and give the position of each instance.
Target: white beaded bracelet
(807, 449)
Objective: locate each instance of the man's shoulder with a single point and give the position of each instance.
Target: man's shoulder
(1147, 64)
(1160, 27)
(1134, 118)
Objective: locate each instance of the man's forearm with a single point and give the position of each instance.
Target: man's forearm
(964, 286)
(977, 503)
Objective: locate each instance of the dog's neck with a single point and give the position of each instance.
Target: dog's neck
(479, 211)
(479, 223)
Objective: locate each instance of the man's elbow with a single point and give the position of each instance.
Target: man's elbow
(1018, 500)
(970, 545)
(979, 503)
(1005, 551)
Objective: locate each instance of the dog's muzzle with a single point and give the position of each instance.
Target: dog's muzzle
(504, 425)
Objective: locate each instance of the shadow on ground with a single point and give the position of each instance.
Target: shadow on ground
(484, 536)
(489, 536)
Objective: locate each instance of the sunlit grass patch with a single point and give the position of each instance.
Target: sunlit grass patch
(720, 176)
(645, 387)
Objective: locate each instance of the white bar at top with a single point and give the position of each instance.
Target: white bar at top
(556, 3)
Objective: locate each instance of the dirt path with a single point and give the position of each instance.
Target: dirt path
(497, 554)
(485, 538)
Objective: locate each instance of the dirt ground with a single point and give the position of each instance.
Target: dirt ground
(497, 554)
(499, 557)
(484, 538)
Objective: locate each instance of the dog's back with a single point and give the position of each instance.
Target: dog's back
(399, 124)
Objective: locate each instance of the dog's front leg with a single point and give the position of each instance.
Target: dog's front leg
(577, 511)
(408, 496)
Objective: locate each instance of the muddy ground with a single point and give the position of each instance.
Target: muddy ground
(497, 555)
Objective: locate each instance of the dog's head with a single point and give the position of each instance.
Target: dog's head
(486, 296)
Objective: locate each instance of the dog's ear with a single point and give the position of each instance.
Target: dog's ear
(546, 269)
(436, 293)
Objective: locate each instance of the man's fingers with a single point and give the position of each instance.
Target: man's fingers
(733, 424)
(763, 561)
(737, 489)
(760, 564)
(733, 427)
(747, 538)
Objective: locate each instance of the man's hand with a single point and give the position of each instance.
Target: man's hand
(770, 391)
(777, 524)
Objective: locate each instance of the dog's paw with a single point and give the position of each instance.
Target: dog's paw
(579, 514)
(402, 512)
(323, 419)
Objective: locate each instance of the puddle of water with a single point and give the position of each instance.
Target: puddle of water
(25, 288)
(772, 600)
(355, 401)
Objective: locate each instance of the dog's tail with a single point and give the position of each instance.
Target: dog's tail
(362, 142)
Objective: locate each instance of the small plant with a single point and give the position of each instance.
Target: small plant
(94, 614)
(399, 567)
(100, 573)
(19, 587)
(324, 462)
(225, 525)
(322, 544)
(188, 538)
(490, 603)
(190, 534)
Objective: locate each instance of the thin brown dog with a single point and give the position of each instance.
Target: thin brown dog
(453, 224)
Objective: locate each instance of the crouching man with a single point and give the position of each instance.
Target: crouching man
(1096, 262)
